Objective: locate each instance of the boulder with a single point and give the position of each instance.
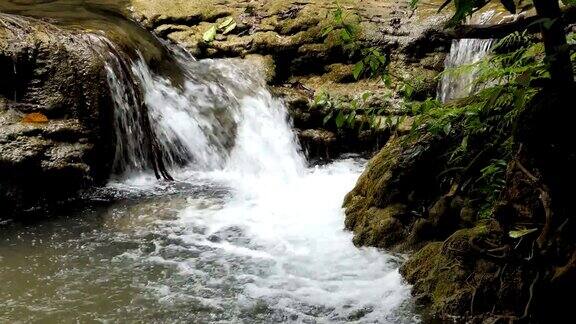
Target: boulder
(55, 115)
(398, 183)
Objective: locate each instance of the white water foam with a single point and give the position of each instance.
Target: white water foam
(276, 239)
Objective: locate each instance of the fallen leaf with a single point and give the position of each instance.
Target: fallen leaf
(229, 28)
(226, 23)
(521, 232)
(37, 118)
(210, 34)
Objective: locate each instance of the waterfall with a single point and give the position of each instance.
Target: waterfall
(219, 116)
(217, 123)
(248, 232)
(464, 52)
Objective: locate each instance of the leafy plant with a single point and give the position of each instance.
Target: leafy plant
(490, 184)
(481, 124)
(345, 26)
(358, 113)
(224, 28)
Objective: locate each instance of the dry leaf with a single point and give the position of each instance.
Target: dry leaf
(35, 118)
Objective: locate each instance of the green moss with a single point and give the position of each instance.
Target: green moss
(444, 273)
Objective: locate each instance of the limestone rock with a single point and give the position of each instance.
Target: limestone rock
(396, 183)
(291, 34)
(55, 74)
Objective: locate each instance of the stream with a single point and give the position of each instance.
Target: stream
(248, 232)
(218, 247)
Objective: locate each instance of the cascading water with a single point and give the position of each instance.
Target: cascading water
(464, 52)
(247, 232)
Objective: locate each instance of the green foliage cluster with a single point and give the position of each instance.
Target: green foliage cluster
(357, 113)
(346, 27)
(481, 124)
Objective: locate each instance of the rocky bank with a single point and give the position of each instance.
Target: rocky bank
(288, 40)
(55, 115)
(55, 107)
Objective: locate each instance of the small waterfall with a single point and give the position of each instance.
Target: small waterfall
(248, 233)
(464, 52)
(277, 231)
(218, 116)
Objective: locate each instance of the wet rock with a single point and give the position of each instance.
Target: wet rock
(451, 278)
(402, 174)
(55, 74)
(379, 227)
(319, 136)
(318, 142)
(291, 33)
(265, 64)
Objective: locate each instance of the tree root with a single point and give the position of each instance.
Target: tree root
(531, 296)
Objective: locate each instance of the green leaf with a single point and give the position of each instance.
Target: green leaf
(226, 23)
(351, 119)
(340, 119)
(408, 91)
(519, 98)
(345, 36)
(380, 57)
(386, 79)
(365, 96)
(230, 28)
(358, 70)
(327, 118)
(327, 31)
(374, 65)
(521, 232)
(210, 34)
(338, 15)
(447, 128)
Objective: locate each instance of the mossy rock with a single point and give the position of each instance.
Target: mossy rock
(397, 181)
(454, 280)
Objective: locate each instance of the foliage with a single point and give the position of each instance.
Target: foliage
(504, 80)
(482, 123)
(346, 27)
(490, 184)
(356, 113)
(225, 27)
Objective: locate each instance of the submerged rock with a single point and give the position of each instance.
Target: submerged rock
(55, 134)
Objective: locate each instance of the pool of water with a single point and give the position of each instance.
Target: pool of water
(214, 247)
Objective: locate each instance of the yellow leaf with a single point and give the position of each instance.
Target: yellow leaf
(210, 34)
(37, 118)
(521, 232)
